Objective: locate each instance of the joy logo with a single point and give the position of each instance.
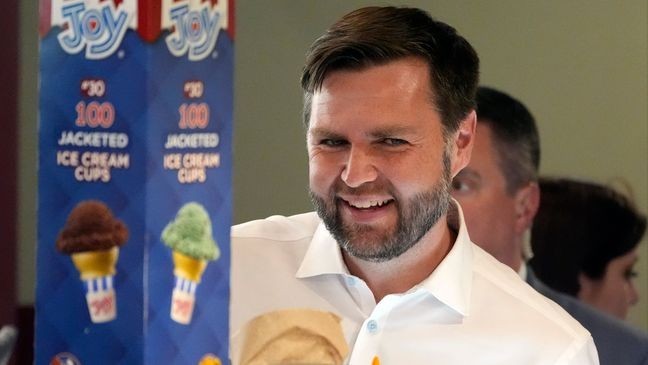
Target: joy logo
(101, 29)
(195, 32)
(65, 358)
(182, 308)
(103, 306)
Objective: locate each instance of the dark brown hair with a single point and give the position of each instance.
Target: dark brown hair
(515, 136)
(377, 35)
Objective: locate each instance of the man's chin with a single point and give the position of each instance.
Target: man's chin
(366, 241)
(369, 250)
(372, 232)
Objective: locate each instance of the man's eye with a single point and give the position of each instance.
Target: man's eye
(394, 141)
(459, 186)
(332, 142)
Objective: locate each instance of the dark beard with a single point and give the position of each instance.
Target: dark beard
(416, 217)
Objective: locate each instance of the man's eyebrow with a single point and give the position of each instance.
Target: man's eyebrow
(324, 133)
(375, 134)
(470, 173)
(392, 131)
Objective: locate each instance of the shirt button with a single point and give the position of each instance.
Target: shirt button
(350, 281)
(372, 326)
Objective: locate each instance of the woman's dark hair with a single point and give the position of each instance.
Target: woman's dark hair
(579, 228)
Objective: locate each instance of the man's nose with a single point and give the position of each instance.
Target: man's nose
(359, 168)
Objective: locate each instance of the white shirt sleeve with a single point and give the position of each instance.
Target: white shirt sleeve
(583, 354)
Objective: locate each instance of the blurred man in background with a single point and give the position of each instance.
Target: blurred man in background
(499, 194)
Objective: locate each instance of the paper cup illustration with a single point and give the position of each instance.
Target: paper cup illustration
(189, 235)
(294, 336)
(92, 237)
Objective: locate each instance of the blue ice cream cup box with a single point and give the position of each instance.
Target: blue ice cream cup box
(134, 192)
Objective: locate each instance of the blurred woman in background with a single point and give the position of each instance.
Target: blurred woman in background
(584, 241)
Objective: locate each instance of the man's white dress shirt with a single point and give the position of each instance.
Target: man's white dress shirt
(470, 310)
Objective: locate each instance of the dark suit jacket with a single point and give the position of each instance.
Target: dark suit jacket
(617, 342)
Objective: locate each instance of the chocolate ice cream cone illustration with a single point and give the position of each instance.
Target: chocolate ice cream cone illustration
(92, 237)
(190, 238)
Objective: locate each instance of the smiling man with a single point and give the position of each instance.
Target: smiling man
(389, 109)
(370, 132)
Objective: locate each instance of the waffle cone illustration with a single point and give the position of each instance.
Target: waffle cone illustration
(92, 237)
(94, 264)
(189, 236)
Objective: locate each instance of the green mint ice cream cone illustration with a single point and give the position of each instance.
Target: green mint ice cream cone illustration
(189, 235)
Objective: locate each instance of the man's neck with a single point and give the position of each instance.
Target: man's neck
(400, 274)
(510, 254)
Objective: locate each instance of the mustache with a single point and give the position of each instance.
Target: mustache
(364, 189)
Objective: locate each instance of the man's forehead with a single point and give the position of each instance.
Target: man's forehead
(485, 154)
(485, 141)
(399, 73)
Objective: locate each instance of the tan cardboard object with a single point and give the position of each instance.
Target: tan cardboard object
(294, 336)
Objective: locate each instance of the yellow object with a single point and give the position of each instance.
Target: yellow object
(188, 267)
(294, 336)
(210, 360)
(93, 264)
(375, 361)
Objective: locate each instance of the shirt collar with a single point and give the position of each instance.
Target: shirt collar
(450, 282)
(323, 256)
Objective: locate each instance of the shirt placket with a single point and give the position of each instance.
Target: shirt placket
(361, 294)
(367, 344)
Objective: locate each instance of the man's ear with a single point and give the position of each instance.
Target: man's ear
(587, 288)
(527, 202)
(462, 143)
